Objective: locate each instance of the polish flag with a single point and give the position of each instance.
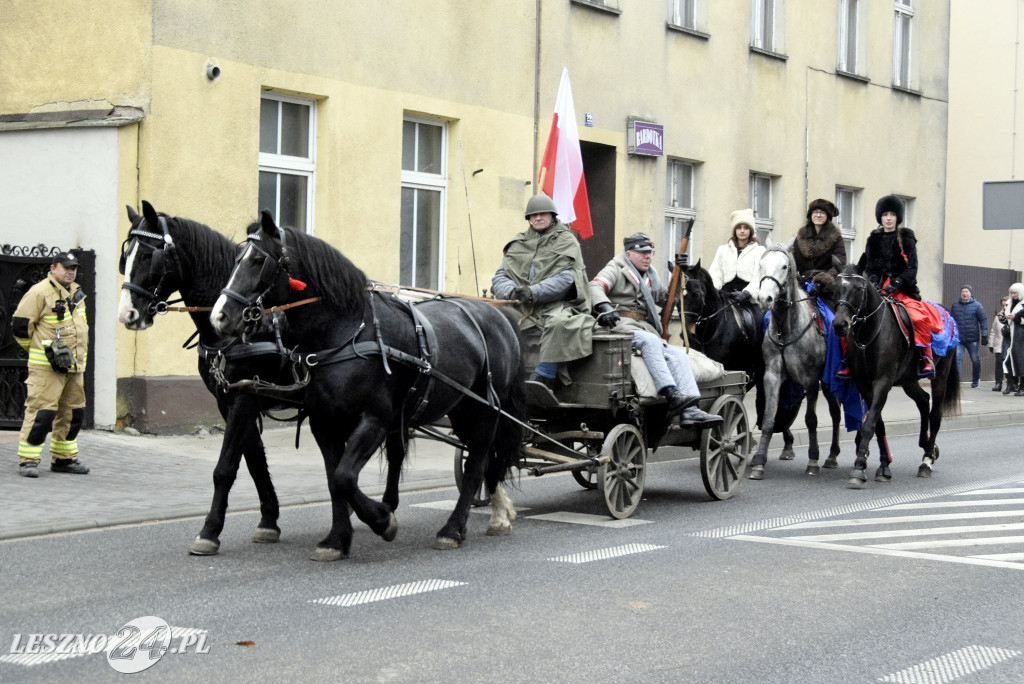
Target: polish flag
(561, 170)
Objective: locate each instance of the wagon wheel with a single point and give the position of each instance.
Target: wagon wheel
(587, 477)
(725, 448)
(481, 497)
(622, 478)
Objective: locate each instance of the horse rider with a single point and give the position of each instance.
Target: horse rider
(818, 249)
(626, 294)
(543, 270)
(890, 263)
(736, 268)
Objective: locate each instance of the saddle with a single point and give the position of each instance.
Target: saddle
(746, 319)
(903, 318)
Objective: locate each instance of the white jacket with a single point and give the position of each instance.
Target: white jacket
(746, 265)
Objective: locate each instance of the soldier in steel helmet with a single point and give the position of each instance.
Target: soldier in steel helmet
(543, 270)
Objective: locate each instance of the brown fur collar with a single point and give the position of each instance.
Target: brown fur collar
(813, 246)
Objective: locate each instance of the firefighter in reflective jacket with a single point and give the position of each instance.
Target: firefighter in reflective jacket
(50, 324)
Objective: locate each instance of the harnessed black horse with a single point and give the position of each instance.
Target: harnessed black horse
(881, 354)
(380, 365)
(163, 255)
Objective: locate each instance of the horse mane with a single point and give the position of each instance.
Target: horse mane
(330, 273)
(209, 252)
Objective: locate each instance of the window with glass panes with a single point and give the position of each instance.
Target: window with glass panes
(679, 211)
(287, 160)
(902, 43)
(424, 188)
(846, 203)
(683, 13)
(762, 23)
(761, 202)
(849, 35)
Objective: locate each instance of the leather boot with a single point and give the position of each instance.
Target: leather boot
(1010, 382)
(677, 401)
(69, 465)
(551, 383)
(926, 369)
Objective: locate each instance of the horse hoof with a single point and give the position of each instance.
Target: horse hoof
(883, 474)
(392, 529)
(813, 470)
(266, 535)
(924, 471)
(445, 544)
(322, 554)
(757, 472)
(858, 480)
(499, 530)
(787, 455)
(831, 462)
(204, 547)
(935, 453)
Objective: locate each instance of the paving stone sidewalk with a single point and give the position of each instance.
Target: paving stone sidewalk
(145, 478)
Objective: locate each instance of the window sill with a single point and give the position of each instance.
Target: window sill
(769, 53)
(852, 76)
(908, 91)
(688, 31)
(596, 5)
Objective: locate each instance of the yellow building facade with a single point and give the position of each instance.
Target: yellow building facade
(407, 133)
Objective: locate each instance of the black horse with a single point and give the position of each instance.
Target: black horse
(880, 355)
(732, 334)
(380, 365)
(163, 255)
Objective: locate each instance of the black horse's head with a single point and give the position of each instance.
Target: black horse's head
(260, 278)
(856, 298)
(149, 266)
(698, 286)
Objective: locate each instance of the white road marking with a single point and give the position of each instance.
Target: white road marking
(384, 593)
(587, 519)
(921, 532)
(449, 505)
(604, 554)
(949, 543)
(903, 519)
(1003, 556)
(950, 666)
(879, 551)
(953, 504)
(989, 492)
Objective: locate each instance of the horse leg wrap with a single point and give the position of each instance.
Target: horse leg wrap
(41, 426)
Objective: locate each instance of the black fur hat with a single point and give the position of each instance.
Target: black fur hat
(889, 203)
(826, 206)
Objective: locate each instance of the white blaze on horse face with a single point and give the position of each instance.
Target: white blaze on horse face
(218, 318)
(126, 311)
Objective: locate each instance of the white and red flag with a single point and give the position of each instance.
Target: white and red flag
(561, 169)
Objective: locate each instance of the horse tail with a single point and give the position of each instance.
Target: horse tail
(951, 399)
(508, 436)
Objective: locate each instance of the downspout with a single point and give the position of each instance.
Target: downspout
(536, 88)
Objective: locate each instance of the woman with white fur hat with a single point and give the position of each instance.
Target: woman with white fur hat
(736, 269)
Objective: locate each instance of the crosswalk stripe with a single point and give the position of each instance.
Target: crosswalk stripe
(989, 492)
(921, 532)
(384, 593)
(952, 504)
(949, 543)
(902, 519)
(587, 519)
(950, 666)
(604, 554)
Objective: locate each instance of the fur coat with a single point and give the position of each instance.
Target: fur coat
(882, 259)
(824, 252)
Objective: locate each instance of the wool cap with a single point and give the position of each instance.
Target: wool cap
(825, 206)
(967, 287)
(638, 242)
(889, 203)
(745, 216)
(66, 259)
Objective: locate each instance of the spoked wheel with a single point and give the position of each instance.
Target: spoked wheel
(622, 478)
(481, 497)
(587, 478)
(725, 449)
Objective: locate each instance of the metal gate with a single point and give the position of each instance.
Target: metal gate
(20, 269)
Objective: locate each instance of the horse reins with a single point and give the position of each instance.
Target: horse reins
(856, 320)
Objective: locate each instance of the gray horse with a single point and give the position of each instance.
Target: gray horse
(794, 349)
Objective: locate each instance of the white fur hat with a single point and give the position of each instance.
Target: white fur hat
(743, 216)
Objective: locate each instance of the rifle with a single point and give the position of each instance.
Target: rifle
(673, 287)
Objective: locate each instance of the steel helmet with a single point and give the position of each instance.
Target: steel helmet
(539, 204)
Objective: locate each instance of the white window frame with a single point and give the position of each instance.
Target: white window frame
(849, 39)
(759, 29)
(683, 13)
(765, 224)
(290, 165)
(677, 212)
(903, 44)
(908, 211)
(848, 216)
(438, 182)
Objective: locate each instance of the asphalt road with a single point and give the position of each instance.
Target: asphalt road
(797, 579)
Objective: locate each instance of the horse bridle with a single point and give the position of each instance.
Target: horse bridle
(787, 303)
(252, 309)
(856, 320)
(157, 304)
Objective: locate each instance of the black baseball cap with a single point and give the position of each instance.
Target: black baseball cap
(66, 259)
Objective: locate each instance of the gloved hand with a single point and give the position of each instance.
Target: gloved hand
(682, 260)
(888, 289)
(740, 296)
(984, 341)
(606, 315)
(523, 294)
